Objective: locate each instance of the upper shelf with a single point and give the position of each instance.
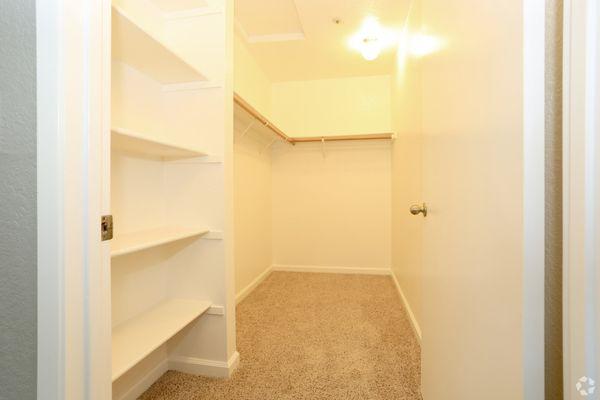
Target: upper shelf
(138, 48)
(136, 143)
(137, 338)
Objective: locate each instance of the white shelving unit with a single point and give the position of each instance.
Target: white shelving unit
(138, 241)
(128, 141)
(136, 339)
(135, 46)
(163, 110)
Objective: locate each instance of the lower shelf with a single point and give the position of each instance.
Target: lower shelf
(136, 339)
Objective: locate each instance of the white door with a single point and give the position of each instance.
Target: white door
(483, 182)
(581, 240)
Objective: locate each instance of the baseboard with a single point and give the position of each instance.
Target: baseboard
(413, 321)
(248, 289)
(332, 270)
(199, 366)
(143, 384)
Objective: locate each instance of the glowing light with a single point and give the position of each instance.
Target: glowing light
(370, 49)
(422, 45)
(371, 39)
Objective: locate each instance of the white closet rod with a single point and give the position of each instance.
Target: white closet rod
(373, 136)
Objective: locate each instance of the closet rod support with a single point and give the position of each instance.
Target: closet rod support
(250, 125)
(269, 145)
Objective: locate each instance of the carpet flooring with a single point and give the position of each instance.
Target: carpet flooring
(314, 336)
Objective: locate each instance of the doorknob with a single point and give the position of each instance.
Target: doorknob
(417, 209)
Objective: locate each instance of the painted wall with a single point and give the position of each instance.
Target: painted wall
(343, 106)
(311, 206)
(407, 230)
(252, 174)
(293, 207)
(332, 209)
(18, 268)
(250, 81)
(252, 199)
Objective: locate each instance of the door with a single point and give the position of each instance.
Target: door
(483, 184)
(581, 172)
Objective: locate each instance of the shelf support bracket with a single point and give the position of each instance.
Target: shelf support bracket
(269, 145)
(250, 125)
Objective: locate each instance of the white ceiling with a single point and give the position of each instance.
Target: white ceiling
(298, 40)
(179, 5)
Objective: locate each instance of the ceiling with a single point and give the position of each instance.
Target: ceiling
(299, 40)
(179, 5)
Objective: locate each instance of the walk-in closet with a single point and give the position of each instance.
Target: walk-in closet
(297, 199)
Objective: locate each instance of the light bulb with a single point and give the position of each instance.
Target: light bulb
(370, 49)
(371, 38)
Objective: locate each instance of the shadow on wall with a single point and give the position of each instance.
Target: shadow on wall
(553, 325)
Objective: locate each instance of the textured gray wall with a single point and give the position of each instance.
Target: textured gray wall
(18, 255)
(554, 48)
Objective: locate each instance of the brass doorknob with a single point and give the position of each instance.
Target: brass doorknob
(417, 209)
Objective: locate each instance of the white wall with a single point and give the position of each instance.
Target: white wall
(252, 211)
(250, 81)
(304, 209)
(344, 106)
(252, 174)
(332, 210)
(292, 206)
(407, 230)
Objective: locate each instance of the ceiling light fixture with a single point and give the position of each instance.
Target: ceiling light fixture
(372, 38)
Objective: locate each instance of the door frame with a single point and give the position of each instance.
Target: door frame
(73, 302)
(534, 65)
(581, 196)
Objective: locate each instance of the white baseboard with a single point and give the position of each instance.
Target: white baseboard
(143, 384)
(413, 321)
(199, 366)
(332, 270)
(248, 289)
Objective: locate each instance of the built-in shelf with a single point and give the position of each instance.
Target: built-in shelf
(133, 242)
(136, 143)
(133, 45)
(134, 340)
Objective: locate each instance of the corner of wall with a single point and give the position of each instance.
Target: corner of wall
(406, 173)
(250, 80)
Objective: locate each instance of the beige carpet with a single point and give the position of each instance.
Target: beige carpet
(314, 336)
